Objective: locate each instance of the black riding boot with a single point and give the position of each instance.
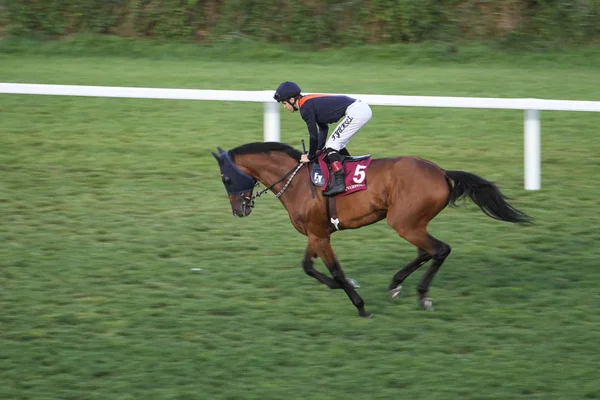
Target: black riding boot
(344, 152)
(336, 182)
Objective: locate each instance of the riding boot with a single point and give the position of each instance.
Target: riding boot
(336, 182)
(344, 152)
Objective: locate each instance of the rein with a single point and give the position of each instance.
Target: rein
(291, 172)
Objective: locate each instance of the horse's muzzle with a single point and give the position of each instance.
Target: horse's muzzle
(244, 209)
(242, 213)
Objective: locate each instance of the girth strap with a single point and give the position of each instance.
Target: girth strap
(331, 208)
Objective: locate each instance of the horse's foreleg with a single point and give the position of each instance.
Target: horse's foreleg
(323, 249)
(396, 284)
(309, 269)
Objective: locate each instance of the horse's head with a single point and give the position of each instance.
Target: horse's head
(238, 184)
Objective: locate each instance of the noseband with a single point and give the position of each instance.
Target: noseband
(247, 201)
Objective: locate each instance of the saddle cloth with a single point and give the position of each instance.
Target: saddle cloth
(355, 172)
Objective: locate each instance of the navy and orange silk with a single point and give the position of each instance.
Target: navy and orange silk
(320, 110)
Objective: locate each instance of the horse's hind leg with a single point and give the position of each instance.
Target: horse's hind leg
(409, 214)
(434, 249)
(396, 284)
(441, 251)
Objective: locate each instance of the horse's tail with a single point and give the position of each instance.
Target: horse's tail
(485, 194)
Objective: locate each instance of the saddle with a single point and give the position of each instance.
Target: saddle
(355, 178)
(355, 172)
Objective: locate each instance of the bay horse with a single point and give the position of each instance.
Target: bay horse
(407, 191)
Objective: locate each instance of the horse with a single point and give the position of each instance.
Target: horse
(407, 191)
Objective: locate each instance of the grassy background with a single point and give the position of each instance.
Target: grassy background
(107, 204)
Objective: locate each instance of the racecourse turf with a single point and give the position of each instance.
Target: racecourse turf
(106, 206)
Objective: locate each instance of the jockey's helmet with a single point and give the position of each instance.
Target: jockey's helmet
(286, 91)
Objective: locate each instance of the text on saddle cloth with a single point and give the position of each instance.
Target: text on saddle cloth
(355, 172)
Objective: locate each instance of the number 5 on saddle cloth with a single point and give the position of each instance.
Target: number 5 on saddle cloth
(355, 171)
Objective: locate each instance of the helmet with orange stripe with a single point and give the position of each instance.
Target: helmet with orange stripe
(286, 91)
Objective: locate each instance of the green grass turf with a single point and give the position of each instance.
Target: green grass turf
(107, 204)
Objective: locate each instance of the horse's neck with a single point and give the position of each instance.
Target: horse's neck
(271, 170)
(267, 169)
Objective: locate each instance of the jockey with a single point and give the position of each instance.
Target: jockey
(319, 110)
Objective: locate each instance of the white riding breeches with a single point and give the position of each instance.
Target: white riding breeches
(357, 114)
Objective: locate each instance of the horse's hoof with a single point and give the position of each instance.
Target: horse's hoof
(395, 293)
(353, 283)
(426, 303)
(367, 315)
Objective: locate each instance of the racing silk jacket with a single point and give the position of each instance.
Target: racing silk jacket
(320, 110)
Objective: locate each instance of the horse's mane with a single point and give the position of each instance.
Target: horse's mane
(265, 147)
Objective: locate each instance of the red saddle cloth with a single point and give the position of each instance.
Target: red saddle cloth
(355, 173)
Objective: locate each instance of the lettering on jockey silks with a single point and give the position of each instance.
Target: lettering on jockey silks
(340, 129)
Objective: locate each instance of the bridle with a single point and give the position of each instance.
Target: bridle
(238, 182)
(249, 201)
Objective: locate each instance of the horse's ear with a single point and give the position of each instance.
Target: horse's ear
(221, 151)
(214, 155)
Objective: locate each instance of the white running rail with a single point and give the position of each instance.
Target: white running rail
(531, 107)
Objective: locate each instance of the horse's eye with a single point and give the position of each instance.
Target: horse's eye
(226, 180)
